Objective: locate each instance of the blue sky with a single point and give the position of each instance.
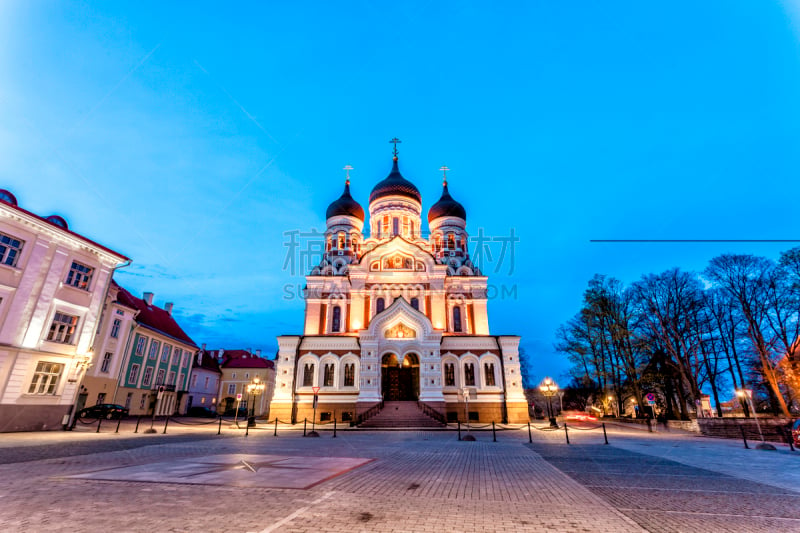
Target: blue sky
(193, 139)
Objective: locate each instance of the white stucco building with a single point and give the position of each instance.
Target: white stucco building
(396, 316)
(53, 283)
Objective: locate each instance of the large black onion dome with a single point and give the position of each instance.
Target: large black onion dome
(395, 185)
(345, 205)
(446, 207)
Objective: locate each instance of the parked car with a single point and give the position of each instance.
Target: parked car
(796, 432)
(199, 410)
(103, 410)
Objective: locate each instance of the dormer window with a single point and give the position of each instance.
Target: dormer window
(79, 276)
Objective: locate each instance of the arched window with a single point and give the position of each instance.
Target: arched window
(457, 319)
(308, 375)
(488, 370)
(437, 243)
(341, 240)
(349, 375)
(415, 303)
(385, 231)
(405, 226)
(328, 378)
(411, 225)
(469, 375)
(336, 319)
(449, 375)
(395, 226)
(328, 242)
(464, 243)
(451, 241)
(380, 305)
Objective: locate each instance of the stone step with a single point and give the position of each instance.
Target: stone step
(400, 414)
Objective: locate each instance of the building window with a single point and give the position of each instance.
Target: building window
(457, 319)
(160, 377)
(141, 343)
(451, 241)
(328, 381)
(184, 357)
(194, 381)
(10, 249)
(148, 376)
(79, 276)
(142, 401)
(308, 375)
(133, 375)
(115, 328)
(63, 328)
(464, 243)
(101, 398)
(405, 226)
(153, 349)
(165, 353)
(232, 388)
(336, 321)
(380, 304)
(128, 400)
(469, 375)
(45, 378)
(205, 383)
(437, 243)
(449, 375)
(488, 369)
(349, 375)
(106, 362)
(385, 231)
(170, 378)
(340, 240)
(395, 226)
(415, 303)
(328, 244)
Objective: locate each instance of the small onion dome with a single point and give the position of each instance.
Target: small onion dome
(395, 185)
(58, 221)
(345, 206)
(446, 207)
(7, 197)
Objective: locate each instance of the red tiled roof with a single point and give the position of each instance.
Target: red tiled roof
(208, 362)
(66, 230)
(154, 317)
(244, 359)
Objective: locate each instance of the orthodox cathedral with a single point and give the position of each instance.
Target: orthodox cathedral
(394, 316)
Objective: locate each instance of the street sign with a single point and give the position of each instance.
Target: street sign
(315, 389)
(239, 397)
(651, 397)
(160, 393)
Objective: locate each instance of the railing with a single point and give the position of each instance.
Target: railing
(369, 413)
(431, 412)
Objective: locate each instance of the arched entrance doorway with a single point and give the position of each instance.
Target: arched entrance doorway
(400, 382)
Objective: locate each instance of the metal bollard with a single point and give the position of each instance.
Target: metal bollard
(119, 421)
(334, 428)
(99, 421)
(744, 438)
(494, 435)
(459, 430)
(275, 433)
(247, 429)
(305, 421)
(788, 434)
(219, 429)
(166, 422)
(604, 433)
(530, 437)
(566, 433)
(138, 419)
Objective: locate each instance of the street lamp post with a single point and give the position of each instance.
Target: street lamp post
(549, 389)
(254, 389)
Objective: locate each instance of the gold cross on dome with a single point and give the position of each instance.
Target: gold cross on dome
(347, 169)
(395, 141)
(444, 170)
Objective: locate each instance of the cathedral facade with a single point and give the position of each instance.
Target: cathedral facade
(396, 316)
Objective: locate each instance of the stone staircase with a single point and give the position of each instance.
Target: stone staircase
(401, 415)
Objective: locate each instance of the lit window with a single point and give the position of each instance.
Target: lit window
(328, 382)
(106, 362)
(451, 241)
(488, 369)
(328, 244)
(148, 376)
(153, 349)
(405, 226)
(336, 321)
(115, 328)
(469, 375)
(133, 375)
(10, 249)
(63, 328)
(437, 243)
(385, 230)
(79, 276)
(341, 240)
(165, 353)
(45, 378)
